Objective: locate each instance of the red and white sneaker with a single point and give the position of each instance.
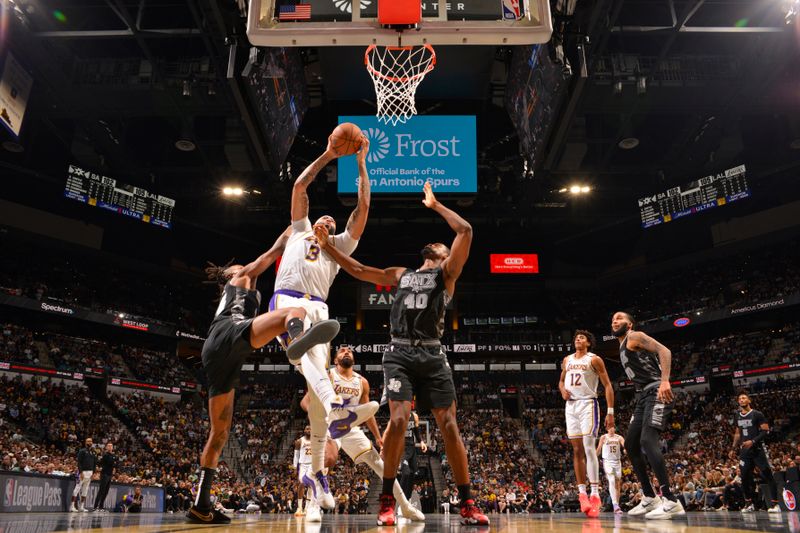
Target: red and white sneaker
(586, 505)
(386, 516)
(594, 501)
(472, 516)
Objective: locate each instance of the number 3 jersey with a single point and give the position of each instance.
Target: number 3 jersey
(419, 304)
(581, 378)
(304, 267)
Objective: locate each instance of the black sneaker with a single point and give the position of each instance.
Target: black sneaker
(195, 516)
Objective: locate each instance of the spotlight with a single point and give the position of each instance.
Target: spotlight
(585, 189)
(237, 191)
(628, 143)
(563, 189)
(575, 189)
(227, 191)
(121, 315)
(641, 85)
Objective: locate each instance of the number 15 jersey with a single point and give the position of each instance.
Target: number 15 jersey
(419, 304)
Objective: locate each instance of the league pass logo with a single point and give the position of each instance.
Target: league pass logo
(9, 500)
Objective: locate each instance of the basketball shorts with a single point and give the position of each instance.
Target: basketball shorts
(316, 311)
(648, 411)
(613, 468)
(418, 371)
(224, 351)
(304, 471)
(583, 418)
(355, 444)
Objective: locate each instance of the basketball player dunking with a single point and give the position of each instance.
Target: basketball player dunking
(235, 332)
(751, 430)
(612, 445)
(647, 364)
(304, 278)
(354, 390)
(578, 385)
(414, 362)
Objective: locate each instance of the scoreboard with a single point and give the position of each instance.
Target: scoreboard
(107, 193)
(699, 195)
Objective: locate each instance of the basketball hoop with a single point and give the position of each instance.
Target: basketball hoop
(396, 72)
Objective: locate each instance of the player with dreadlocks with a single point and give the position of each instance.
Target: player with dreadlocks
(235, 332)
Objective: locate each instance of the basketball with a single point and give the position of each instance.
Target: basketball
(346, 139)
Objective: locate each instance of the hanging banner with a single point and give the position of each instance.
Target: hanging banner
(15, 87)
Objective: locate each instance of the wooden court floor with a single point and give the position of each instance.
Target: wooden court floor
(719, 522)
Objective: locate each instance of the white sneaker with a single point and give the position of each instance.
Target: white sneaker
(774, 509)
(666, 510)
(313, 513)
(412, 513)
(343, 419)
(645, 506)
(748, 509)
(320, 490)
(73, 509)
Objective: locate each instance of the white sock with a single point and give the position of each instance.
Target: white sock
(319, 382)
(595, 491)
(612, 488)
(582, 489)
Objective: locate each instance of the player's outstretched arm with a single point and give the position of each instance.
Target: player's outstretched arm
(459, 251)
(300, 189)
(358, 218)
(639, 341)
(600, 367)
(372, 424)
(385, 276)
(257, 267)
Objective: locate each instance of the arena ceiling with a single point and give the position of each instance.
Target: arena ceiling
(117, 82)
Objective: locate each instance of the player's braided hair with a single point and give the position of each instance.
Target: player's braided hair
(216, 273)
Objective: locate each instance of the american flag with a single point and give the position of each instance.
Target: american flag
(295, 12)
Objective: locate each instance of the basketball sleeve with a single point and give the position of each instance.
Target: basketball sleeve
(302, 225)
(345, 243)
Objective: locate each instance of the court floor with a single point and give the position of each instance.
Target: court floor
(557, 523)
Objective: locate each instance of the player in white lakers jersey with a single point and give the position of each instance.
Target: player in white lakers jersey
(303, 280)
(354, 390)
(580, 373)
(302, 463)
(612, 446)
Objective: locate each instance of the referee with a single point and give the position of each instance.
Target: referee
(107, 464)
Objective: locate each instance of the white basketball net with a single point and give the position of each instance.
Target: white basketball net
(396, 73)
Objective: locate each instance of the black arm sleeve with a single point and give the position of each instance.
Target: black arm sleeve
(417, 434)
(758, 420)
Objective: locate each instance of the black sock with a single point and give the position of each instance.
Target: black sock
(666, 493)
(464, 492)
(388, 486)
(294, 327)
(206, 479)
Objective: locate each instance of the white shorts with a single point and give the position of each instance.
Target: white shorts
(83, 483)
(355, 444)
(583, 418)
(304, 469)
(315, 311)
(613, 468)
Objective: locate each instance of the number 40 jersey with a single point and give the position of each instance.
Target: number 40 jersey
(419, 305)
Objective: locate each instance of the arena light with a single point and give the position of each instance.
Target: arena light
(233, 191)
(585, 189)
(575, 189)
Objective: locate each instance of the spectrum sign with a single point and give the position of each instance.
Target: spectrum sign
(514, 263)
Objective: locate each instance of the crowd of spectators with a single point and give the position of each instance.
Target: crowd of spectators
(17, 345)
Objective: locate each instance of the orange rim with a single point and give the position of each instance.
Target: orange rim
(405, 79)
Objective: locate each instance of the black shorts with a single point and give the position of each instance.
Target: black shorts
(755, 456)
(648, 411)
(225, 349)
(418, 371)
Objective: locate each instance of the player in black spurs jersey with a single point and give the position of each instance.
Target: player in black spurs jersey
(751, 430)
(647, 363)
(414, 363)
(235, 332)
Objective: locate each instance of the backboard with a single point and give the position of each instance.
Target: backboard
(355, 23)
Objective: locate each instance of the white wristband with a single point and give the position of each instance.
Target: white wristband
(610, 411)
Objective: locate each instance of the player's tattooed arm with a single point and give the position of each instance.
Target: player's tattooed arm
(643, 342)
(358, 218)
(380, 276)
(299, 190)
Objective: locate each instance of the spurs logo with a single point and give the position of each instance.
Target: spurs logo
(394, 385)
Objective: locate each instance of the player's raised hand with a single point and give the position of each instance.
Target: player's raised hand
(321, 233)
(361, 155)
(430, 199)
(329, 151)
